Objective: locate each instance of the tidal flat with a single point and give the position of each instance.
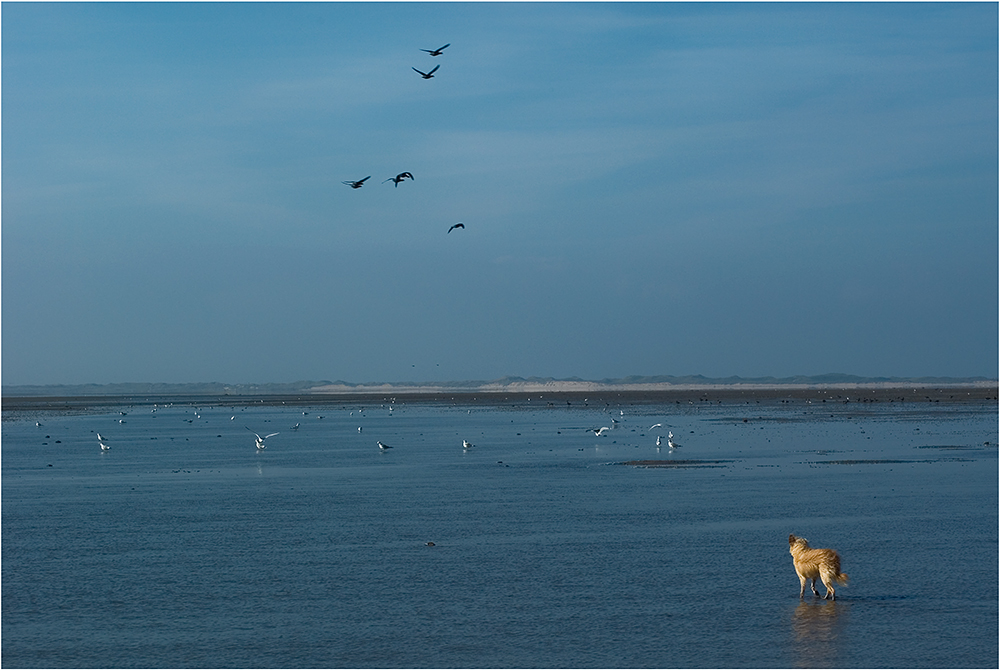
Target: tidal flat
(183, 545)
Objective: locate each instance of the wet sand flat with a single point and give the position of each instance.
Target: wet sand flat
(544, 545)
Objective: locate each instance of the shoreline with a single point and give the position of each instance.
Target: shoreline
(528, 395)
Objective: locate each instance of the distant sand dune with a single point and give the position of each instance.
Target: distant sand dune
(599, 387)
(531, 385)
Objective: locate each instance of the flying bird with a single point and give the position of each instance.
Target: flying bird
(400, 177)
(427, 75)
(260, 440)
(656, 425)
(357, 184)
(599, 431)
(438, 51)
(457, 225)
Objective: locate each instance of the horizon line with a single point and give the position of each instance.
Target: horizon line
(499, 385)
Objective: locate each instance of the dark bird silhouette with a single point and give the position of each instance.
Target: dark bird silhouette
(427, 75)
(400, 177)
(438, 51)
(457, 225)
(359, 183)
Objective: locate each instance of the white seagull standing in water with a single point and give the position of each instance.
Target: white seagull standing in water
(100, 441)
(383, 447)
(467, 445)
(260, 440)
(670, 441)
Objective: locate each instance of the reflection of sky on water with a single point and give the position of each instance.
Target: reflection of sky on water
(549, 552)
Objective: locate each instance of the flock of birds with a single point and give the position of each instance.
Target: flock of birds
(260, 440)
(399, 178)
(659, 438)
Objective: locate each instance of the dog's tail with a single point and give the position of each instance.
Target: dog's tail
(841, 578)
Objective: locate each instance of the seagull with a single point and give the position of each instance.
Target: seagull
(457, 225)
(670, 440)
(427, 75)
(400, 177)
(658, 438)
(104, 447)
(101, 438)
(438, 51)
(599, 431)
(357, 184)
(656, 425)
(383, 447)
(467, 445)
(295, 427)
(260, 440)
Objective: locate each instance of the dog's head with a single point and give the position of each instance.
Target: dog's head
(794, 542)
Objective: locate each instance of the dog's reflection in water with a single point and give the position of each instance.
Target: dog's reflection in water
(816, 628)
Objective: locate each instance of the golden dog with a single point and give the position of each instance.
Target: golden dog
(815, 563)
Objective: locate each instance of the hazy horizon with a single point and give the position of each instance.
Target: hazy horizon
(513, 381)
(734, 189)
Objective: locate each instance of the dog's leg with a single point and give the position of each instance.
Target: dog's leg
(813, 586)
(802, 587)
(828, 583)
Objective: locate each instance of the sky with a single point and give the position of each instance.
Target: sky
(647, 189)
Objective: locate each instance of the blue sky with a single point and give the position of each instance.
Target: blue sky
(718, 189)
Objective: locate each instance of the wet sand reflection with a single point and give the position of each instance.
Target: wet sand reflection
(816, 631)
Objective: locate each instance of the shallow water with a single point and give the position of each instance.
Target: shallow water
(183, 546)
